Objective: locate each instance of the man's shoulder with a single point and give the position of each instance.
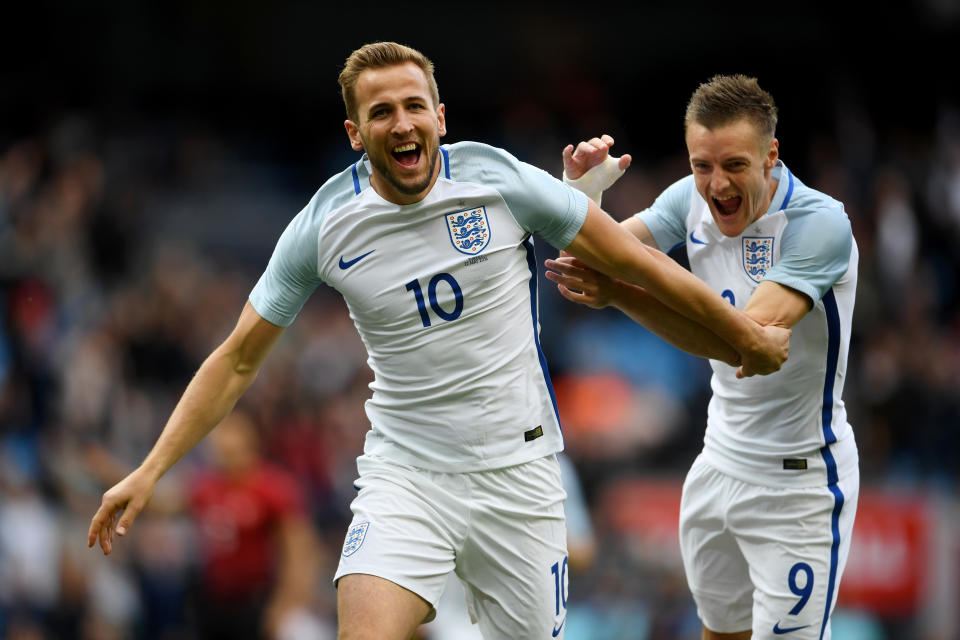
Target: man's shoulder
(677, 199)
(340, 190)
(472, 147)
(814, 210)
(468, 159)
(342, 187)
(806, 200)
(479, 163)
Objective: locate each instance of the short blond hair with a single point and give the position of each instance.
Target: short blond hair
(377, 55)
(724, 100)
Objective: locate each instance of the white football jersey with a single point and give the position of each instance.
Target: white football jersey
(444, 295)
(788, 428)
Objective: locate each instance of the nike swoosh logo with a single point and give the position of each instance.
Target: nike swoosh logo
(556, 630)
(349, 263)
(780, 631)
(696, 240)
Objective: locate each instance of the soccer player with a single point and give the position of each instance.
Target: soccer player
(431, 248)
(768, 506)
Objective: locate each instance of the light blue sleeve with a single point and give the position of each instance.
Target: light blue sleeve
(667, 216)
(540, 203)
(291, 275)
(815, 251)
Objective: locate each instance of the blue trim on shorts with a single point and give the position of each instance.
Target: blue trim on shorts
(532, 264)
(833, 355)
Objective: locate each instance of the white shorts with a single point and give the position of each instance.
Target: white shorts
(765, 558)
(501, 531)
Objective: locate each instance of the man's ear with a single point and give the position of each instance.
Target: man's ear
(773, 154)
(442, 119)
(353, 132)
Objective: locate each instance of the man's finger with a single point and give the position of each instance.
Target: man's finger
(129, 514)
(105, 539)
(570, 294)
(606, 139)
(588, 148)
(559, 270)
(624, 163)
(99, 518)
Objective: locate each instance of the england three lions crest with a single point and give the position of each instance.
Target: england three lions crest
(355, 537)
(469, 230)
(757, 256)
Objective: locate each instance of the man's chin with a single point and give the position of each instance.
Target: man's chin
(410, 188)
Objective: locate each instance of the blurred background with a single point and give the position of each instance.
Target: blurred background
(151, 154)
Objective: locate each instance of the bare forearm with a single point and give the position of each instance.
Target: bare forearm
(212, 393)
(606, 247)
(208, 398)
(673, 327)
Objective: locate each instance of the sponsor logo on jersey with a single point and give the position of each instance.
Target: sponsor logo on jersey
(757, 256)
(469, 230)
(346, 264)
(355, 537)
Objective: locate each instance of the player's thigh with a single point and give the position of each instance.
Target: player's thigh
(372, 608)
(406, 527)
(716, 570)
(797, 542)
(514, 565)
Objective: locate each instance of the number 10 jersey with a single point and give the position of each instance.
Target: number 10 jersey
(444, 295)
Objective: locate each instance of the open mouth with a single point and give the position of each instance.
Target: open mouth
(727, 206)
(407, 154)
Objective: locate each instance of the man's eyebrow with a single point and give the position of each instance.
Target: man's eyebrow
(407, 100)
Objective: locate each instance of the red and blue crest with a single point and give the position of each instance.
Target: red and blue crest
(469, 230)
(757, 256)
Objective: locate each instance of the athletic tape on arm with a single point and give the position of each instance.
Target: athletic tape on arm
(598, 179)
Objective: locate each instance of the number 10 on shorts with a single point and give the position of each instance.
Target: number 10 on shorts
(560, 580)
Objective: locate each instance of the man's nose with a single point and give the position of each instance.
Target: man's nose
(719, 181)
(402, 124)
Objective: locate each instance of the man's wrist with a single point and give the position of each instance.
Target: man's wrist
(597, 179)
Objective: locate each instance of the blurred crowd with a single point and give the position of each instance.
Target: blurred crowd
(127, 250)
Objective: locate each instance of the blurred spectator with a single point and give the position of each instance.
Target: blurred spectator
(258, 557)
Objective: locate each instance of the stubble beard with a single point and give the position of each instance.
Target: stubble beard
(383, 168)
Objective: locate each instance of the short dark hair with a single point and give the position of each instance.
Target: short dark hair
(723, 100)
(375, 56)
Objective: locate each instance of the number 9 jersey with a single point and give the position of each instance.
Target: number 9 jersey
(789, 428)
(444, 295)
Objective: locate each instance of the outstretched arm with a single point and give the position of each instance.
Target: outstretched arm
(606, 246)
(581, 284)
(211, 394)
